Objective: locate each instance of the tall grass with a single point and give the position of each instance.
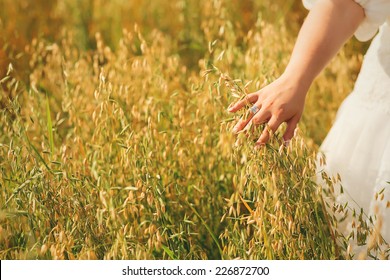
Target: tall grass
(120, 147)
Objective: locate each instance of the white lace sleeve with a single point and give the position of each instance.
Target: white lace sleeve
(376, 11)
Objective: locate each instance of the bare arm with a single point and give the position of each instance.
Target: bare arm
(328, 26)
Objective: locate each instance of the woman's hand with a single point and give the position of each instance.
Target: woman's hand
(281, 101)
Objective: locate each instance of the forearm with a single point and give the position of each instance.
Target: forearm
(328, 26)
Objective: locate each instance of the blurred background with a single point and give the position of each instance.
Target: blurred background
(23, 20)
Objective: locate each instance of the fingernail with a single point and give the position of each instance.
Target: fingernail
(235, 129)
(260, 140)
(258, 145)
(286, 143)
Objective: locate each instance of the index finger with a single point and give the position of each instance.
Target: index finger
(250, 98)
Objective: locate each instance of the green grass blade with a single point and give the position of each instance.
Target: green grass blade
(41, 158)
(208, 229)
(169, 252)
(49, 126)
(38, 154)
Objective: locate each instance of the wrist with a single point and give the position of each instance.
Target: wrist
(301, 81)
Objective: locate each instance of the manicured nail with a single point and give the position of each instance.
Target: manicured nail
(260, 140)
(235, 129)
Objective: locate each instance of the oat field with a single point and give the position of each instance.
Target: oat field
(115, 141)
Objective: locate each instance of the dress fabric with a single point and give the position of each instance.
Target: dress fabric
(357, 146)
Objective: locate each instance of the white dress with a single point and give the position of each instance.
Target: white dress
(358, 145)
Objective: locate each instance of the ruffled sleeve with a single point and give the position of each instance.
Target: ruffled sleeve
(376, 13)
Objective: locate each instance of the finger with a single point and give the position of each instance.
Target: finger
(273, 125)
(291, 126)
(246, 118)
(259, 118)
(250, 98)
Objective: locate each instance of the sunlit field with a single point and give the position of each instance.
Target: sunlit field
(115, 141)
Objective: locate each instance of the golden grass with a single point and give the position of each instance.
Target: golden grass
(115, 142)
